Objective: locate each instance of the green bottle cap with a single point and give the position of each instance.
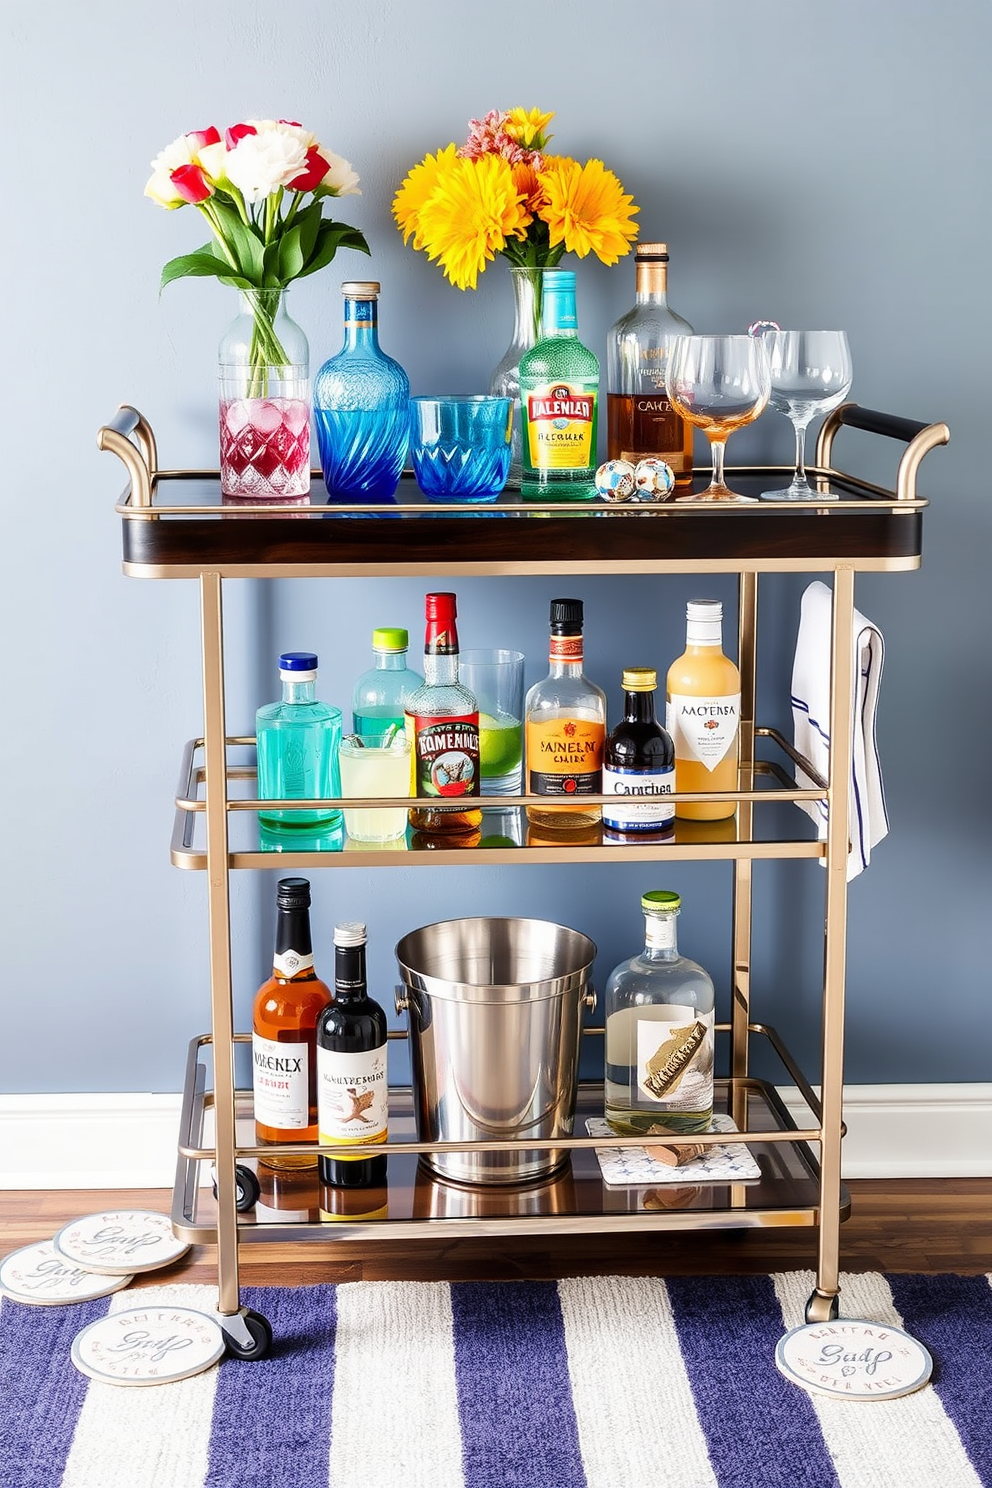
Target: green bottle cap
(660, 899)
(390, 638)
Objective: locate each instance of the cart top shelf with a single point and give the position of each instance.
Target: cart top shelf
(176, 524)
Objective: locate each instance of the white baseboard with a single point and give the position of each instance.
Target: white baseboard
(129, 1141)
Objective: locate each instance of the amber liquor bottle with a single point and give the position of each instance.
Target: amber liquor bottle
(564, 729)
(284, 1022)
(640, 420)
(352, 1094)
(442, 719)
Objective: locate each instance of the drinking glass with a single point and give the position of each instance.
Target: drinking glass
(718, 383)
(811, 374)
(375, 765)
(460, 446)
(496, 678)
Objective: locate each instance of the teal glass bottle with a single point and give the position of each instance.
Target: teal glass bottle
(297, 742)
(361, 407)
(380, 694)
(559, 401)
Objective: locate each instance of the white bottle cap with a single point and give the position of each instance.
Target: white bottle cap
(350, 934)
(704, 622)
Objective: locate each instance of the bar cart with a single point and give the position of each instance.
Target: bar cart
(176, 526)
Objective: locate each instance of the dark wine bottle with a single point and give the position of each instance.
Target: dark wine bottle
(352, 1096)
(639, 764)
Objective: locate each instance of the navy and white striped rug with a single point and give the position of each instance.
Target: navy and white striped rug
(595, 1382)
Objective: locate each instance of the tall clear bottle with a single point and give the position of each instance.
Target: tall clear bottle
(703, 717)
(297, 747)
(352, 1094)
(565, 728)
(659, 1032)
(283, 1039)
(442, 719)
(361, 403)
(559, 401)
(640, 420)
(380, 695)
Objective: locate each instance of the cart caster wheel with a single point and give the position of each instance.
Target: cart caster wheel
(822, 1309)
(248, 1335)
(247, 1189)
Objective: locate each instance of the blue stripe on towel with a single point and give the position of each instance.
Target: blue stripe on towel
(294, 1385)
(952, 1317)
(41, 1405)
(514, 1397)
(761, 1430)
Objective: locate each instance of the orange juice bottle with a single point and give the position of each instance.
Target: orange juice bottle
(704, 705)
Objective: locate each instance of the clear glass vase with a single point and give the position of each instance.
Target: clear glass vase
(505, 381)
(264, 370)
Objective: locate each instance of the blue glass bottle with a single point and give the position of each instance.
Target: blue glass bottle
(361, 407)
(380, 694)
(297, 747)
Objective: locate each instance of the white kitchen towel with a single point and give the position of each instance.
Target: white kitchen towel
(868, 820)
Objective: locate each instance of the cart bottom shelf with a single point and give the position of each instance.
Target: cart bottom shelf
(414, 1202)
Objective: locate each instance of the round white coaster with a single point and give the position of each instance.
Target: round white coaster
(853, 1358)
(38, 1275)
(148, 1346)
(120, 1240)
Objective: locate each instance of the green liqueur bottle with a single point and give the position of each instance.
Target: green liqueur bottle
(559, 402)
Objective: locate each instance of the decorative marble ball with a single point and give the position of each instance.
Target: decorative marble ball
(653, 480)
(615, 480)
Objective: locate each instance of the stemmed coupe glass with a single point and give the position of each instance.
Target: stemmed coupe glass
(719, 384)
(811, 374)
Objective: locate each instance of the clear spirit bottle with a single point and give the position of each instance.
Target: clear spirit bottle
(564, 729)
(559, 401)
(640, 420)
(362, 407)
(297, 748)
(380, 695)
(442, 719)
(659, 1032)
(639, 764)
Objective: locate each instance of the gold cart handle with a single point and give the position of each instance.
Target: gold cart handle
(918, 438)
(129, 436)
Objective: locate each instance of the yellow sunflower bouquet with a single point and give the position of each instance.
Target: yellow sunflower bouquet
(502, 192)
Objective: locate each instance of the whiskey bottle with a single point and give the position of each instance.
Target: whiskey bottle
(284, 1021)
(659, 1032)
(564, 729)
(559, 401)
(640, 420)
(639, 764)
(352, 1095)
(704, 704)
(442, 719)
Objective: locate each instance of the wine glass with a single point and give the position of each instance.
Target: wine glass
(811, 373)
(718, 383)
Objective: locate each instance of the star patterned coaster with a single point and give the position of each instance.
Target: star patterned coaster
(629, 1167)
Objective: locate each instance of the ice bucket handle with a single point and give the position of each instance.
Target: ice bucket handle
(401, 999)
(590, 999)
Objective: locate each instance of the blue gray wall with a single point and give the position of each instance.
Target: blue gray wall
(818, 165)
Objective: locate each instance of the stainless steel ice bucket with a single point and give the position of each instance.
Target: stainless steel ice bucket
(495, 1013)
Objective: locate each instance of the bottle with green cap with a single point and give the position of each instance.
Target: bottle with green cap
(659, 1032)
(559, 401)
(380, 694)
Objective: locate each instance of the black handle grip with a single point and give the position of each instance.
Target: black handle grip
(890, 425)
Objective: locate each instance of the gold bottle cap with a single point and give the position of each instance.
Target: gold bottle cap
(639, 679)
(651, 251)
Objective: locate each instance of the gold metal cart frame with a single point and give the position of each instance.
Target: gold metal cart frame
(176, 525)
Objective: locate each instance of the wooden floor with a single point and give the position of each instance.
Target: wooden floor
(928, 1225)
